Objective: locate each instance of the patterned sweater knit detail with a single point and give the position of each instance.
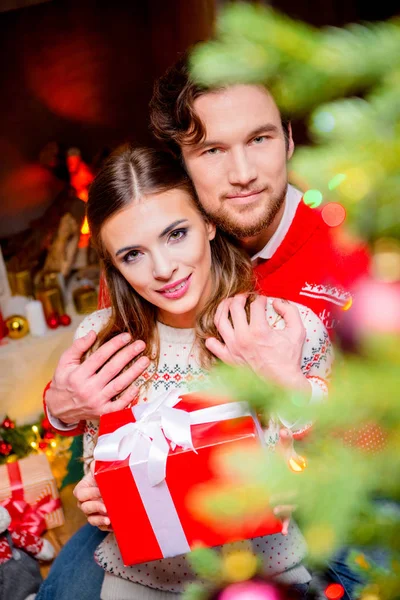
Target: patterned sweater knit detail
(179, 367)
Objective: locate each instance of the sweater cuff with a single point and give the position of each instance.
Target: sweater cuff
(67, 429)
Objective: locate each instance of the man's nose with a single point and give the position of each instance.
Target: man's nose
(241, 170)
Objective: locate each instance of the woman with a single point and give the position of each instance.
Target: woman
(171, 275)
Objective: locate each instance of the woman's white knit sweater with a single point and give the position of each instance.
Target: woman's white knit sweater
(179, 366)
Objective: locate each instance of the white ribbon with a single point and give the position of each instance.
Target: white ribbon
(158, 423)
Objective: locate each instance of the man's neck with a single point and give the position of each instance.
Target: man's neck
(254, 244)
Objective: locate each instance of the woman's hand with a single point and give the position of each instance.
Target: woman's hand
(90, 501)
(272, 353)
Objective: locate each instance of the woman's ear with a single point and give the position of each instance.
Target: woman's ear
(211, 230)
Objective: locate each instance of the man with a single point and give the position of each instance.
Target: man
(235, 147)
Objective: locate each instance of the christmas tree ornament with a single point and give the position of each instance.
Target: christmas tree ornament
(5, 448)
(45, 424)
(17, 327)
(8, 424)
(53, 320)
(65, 320)
(3, 328)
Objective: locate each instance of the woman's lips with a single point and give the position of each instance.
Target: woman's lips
(176, 290)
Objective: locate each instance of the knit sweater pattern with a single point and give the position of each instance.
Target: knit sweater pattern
(179, 366)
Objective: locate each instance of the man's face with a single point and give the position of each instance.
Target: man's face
(239, 170)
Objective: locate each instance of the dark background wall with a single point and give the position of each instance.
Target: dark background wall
(80, 72)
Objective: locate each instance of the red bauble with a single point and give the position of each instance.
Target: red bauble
(45, 424)
(65, 320)
(8, 424)
(53, 321)
(43, 445)
(5, 448)
(49, 435)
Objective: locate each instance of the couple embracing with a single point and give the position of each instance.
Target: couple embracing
(208, 254)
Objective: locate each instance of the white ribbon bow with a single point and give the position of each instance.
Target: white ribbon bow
(158, 423)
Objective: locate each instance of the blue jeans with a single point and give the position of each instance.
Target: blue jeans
(338, 570)
(75, 573)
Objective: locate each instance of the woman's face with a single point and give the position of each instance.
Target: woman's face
(162, 248)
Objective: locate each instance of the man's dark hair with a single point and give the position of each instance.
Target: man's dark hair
(173, 120)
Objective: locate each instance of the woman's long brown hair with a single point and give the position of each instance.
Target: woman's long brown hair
(128, 175)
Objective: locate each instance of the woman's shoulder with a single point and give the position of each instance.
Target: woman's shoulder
(93, 322)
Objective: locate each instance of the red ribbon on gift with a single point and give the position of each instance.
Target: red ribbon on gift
(25, 516)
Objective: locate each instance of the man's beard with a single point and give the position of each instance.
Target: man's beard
(230, 223)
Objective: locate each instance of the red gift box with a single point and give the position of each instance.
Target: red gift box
(148, 460)
(29, 492)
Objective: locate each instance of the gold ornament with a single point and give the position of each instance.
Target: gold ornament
(17, 326)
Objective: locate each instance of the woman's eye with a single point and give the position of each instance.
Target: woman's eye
(132, 256)
(177, 235)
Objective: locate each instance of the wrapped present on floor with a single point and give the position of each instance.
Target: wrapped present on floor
(150, 457)
(29, 492)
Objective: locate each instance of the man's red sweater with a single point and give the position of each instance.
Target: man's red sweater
(312, 266)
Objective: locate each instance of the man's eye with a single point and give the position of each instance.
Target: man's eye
(131, 256)
(212, 151)
(259, 139)
(178, 234)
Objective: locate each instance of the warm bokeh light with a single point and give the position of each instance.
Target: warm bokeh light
(334, 591)
(297, 463)
(333, 214)
(85, 227)
(348, 304)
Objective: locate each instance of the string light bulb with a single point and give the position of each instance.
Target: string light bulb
(297, 463)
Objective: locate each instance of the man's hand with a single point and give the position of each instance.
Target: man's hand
(272, 353)
(81, 391)
(90, 501)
